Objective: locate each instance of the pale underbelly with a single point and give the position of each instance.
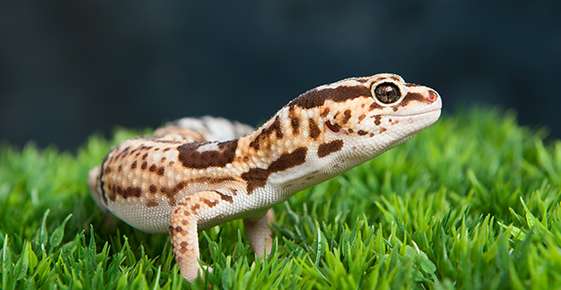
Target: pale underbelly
(156, 219)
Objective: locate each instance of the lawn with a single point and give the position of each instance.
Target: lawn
(471, 203)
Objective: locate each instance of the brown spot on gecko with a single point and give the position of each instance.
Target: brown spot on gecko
(346, 116)
(289, 160)
(160, 171)
(101, 180)
(361, 132)
(179, 186)
(257, 177)
(209, 203)
(317, 97)
(144, 156)
(153, 189)
(127, 192)
(152, 203)
(373, 106)
(190, 157)
(294, 120)
(324, 112)
(213, 180)
(195, 207)
(330, 147)
(333, 127)
(314, 129)
(377, 119)
(361, 117)
(275, 128)
(133, 165)
(169, 193)
(123, 153)
(144, 165)
(382, 129)
(224, 197)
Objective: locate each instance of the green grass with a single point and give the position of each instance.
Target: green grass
(471, 203)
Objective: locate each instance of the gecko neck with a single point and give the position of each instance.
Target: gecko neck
(294, 149)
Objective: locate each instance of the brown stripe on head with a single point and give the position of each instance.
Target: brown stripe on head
(317, 97)
(330, 147)
(257, 177)
(418, 97)
(415, 93)
(190, 157)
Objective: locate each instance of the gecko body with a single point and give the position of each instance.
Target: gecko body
(196, 173)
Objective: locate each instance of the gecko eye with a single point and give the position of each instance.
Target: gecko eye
(386, 93)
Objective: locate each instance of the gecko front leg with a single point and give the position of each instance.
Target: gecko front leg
(259, 233)
(185, 218)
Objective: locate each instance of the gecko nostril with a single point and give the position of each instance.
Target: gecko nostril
(432, 96)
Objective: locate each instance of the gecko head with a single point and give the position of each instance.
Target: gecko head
(394, 110)
(373, 113)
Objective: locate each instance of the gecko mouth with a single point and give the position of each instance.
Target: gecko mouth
(417, 114)
(424, 110)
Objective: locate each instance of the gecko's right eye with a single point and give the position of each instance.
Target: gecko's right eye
(386, 93)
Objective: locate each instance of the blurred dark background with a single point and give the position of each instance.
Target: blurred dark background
(72, 68)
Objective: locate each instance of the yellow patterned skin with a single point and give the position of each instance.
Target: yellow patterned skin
(196, 173)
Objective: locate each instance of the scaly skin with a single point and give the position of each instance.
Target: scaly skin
(197, 173)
